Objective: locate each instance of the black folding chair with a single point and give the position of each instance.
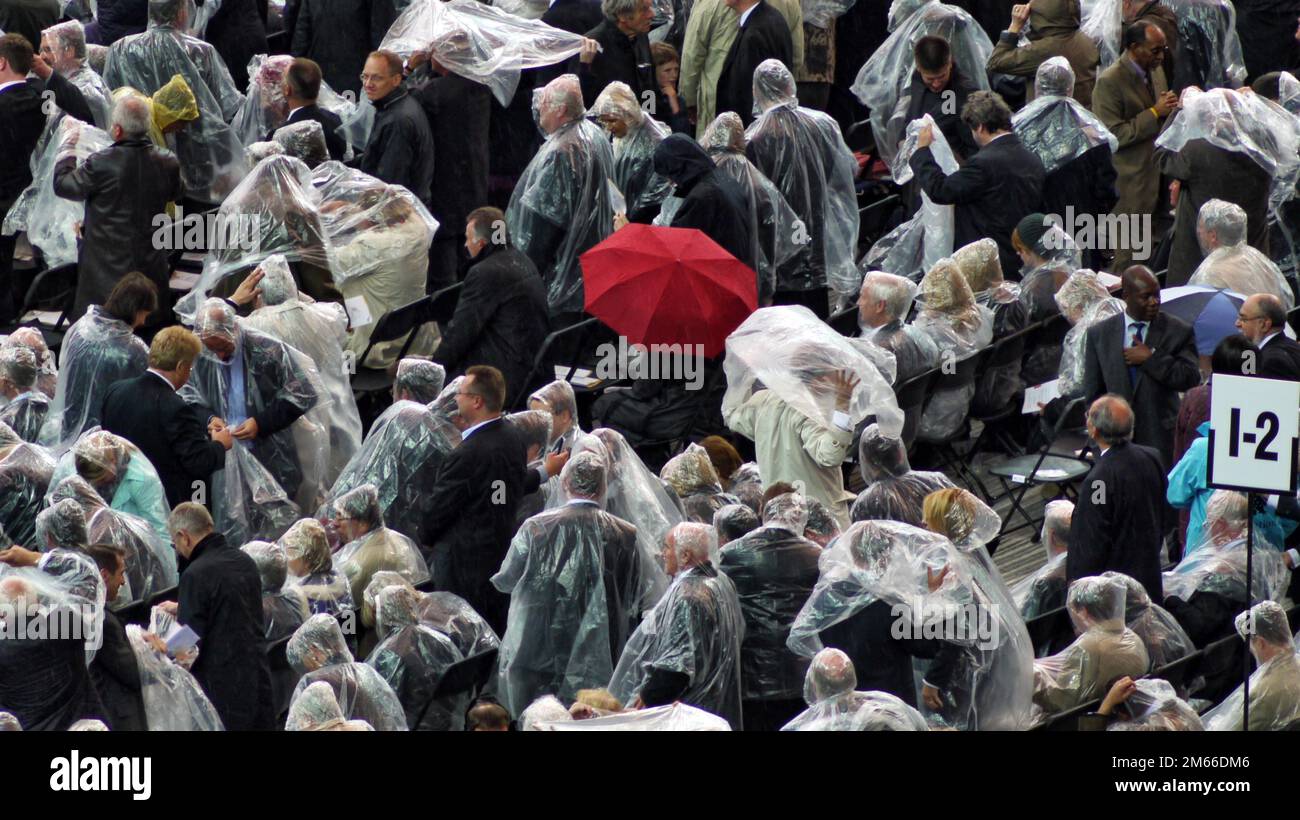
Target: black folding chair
(53, 290)
(1050, 465)
(946, 448)
(579, 330)
(911, 400)
(464, 677)
(845, 321)
(1004, 351)
(396, 323)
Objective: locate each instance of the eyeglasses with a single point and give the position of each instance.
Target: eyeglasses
(379, 78)
(474, 395)
(1241, 317)
(1159, 49)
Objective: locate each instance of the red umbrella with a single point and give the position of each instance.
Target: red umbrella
(660, 285)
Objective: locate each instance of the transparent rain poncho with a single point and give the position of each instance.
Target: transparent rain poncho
(283, 608)
(803, 153)
(1044, 589)
(318, 710)
(265, 107)
(47, 375)
(1154, 706)
(679, 717)
(734, 521)
(1243, 269)
(1056, 127)
(25, 473)
(62, 525)
(1244, 123)
(917, 244)
(634, 172)
(210, 153)
(304, 140)
(1105, 649)
(691, 477)
(574, 579)
(96, 92)
(274, 210)
(379, 549)
(412, 658)
(277, 378)
(26, 411)
(774, 224)
(320, 330)
(97, 351)
(791, 352)
(381, 581)
(695, 630)
(318, 652)
(1103, 22)
(1084, 302)
(247, 502)
(960, 327)
(1161, 634)
(66, 588)
(1218, 566)
(1275, 683)
(150, 560)
(1210, 44)
(120, 473)
(48, 218)
(311, 568)
(894, 492)
(561, 207)
(894, 563)
(479, 42)
(834, 706)
(884, 83)
(173, 699)
(421, 380)
(454, 617)
(635, 494)
(258, 151)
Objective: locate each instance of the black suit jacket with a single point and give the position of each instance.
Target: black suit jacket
(329, 121)
(765, 36)
(173, 435)
(1280, 359)
(472, 516)
(1172, 368)
(116, 675)
(21, 122)
(1120, 518)
(459, 112)
(992, 192)
(622, 58)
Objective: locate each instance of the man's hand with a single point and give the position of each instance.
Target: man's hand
(156, 642)
(41, 68)
(637, 703)
(692, 113)
(222, 437)
(924, 137)
(620, 221)
(19, 557)
(216, 423)
(170, 607)
(248, 289)
(934, 581)
(417, 59)
(555, 462)
(844, 383)
(590, 48)
(1167, 104)
(1019, 16)
(1137, 355)
(931, 697)
(246, 431)
(1175, 188)
(1120, 692)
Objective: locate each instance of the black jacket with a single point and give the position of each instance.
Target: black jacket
(712, 201)
(574, 16)
(1120, 518)
(329, 123)
(472, 516)
(883, 662)
(1086, 182)
(459, 111)
(992, 192)
(339, 35)
(500, 320)
(44, 682)
(622, 58)
(946, 111)
(237, 32)
(400, 150)
(221, 600)
(119, 18)
(1279, 358)
(116, 675)
(21, 122)
(29, 18)
(765, 36)
(173, 435)
(125, 187)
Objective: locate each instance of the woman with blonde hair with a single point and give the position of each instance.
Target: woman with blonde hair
(960, 328)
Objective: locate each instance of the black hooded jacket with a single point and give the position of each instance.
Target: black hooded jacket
(711, 201)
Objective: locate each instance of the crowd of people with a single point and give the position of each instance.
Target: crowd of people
(930, 209)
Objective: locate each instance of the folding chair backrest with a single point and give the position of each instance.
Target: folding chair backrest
(398, 322)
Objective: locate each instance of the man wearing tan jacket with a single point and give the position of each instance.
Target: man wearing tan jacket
(1132, 99)
(1053, 32)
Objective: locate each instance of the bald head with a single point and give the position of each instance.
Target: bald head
(1141, 292)
(831, 673)
(1261, 316)
(1110, 420)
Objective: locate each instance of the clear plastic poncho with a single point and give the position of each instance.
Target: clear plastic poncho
(894, 563)
(695, 630)
(635, 494)
(412, 658)
(1164, 638)
(120, 473)
(884, 83)
(47, 375)
(1243, 269)
(894, 491)
(97, 351)
(311, 568)
(917, 244)
(265, 107)
(1154, 706)
(210, 152)
(679, 717)
(634, 171)
(454, 617)
(62, 525)
(834, 706)
(791, 352)
(1210, 44)
(1056, 127)
(1275, 683)
(173, 699)
(318, 710)
(378, 550)
(1105, 649)
(25, 473)
(1220, 568)
(960, 327)
(1036, 593)
(283, 608)
(803, 153)
(318, 652)
(320, 330)
(564, 192)
(1103, 22)
(1242, 122)
(248, 503)
(479, 42)
(692, 479)
(1084, 302)
(64, 586)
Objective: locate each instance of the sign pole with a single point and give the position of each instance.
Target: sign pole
(1250, 576)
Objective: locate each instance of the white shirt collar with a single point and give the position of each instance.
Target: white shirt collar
(164, 378)
(470, 430)
(744, 15)
(293, 110)
(1269, 337)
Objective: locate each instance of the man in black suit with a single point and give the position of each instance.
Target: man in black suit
(624, 51)
(995, 189)
(301, 86)
(501, 317)
(115, 671)
(1120, 517)
(221, 600)
(1262, 319)
(764, 34)
(473, 502)
(171, 433)
(1145, 356)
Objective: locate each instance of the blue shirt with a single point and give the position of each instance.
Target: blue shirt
(236, 396)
